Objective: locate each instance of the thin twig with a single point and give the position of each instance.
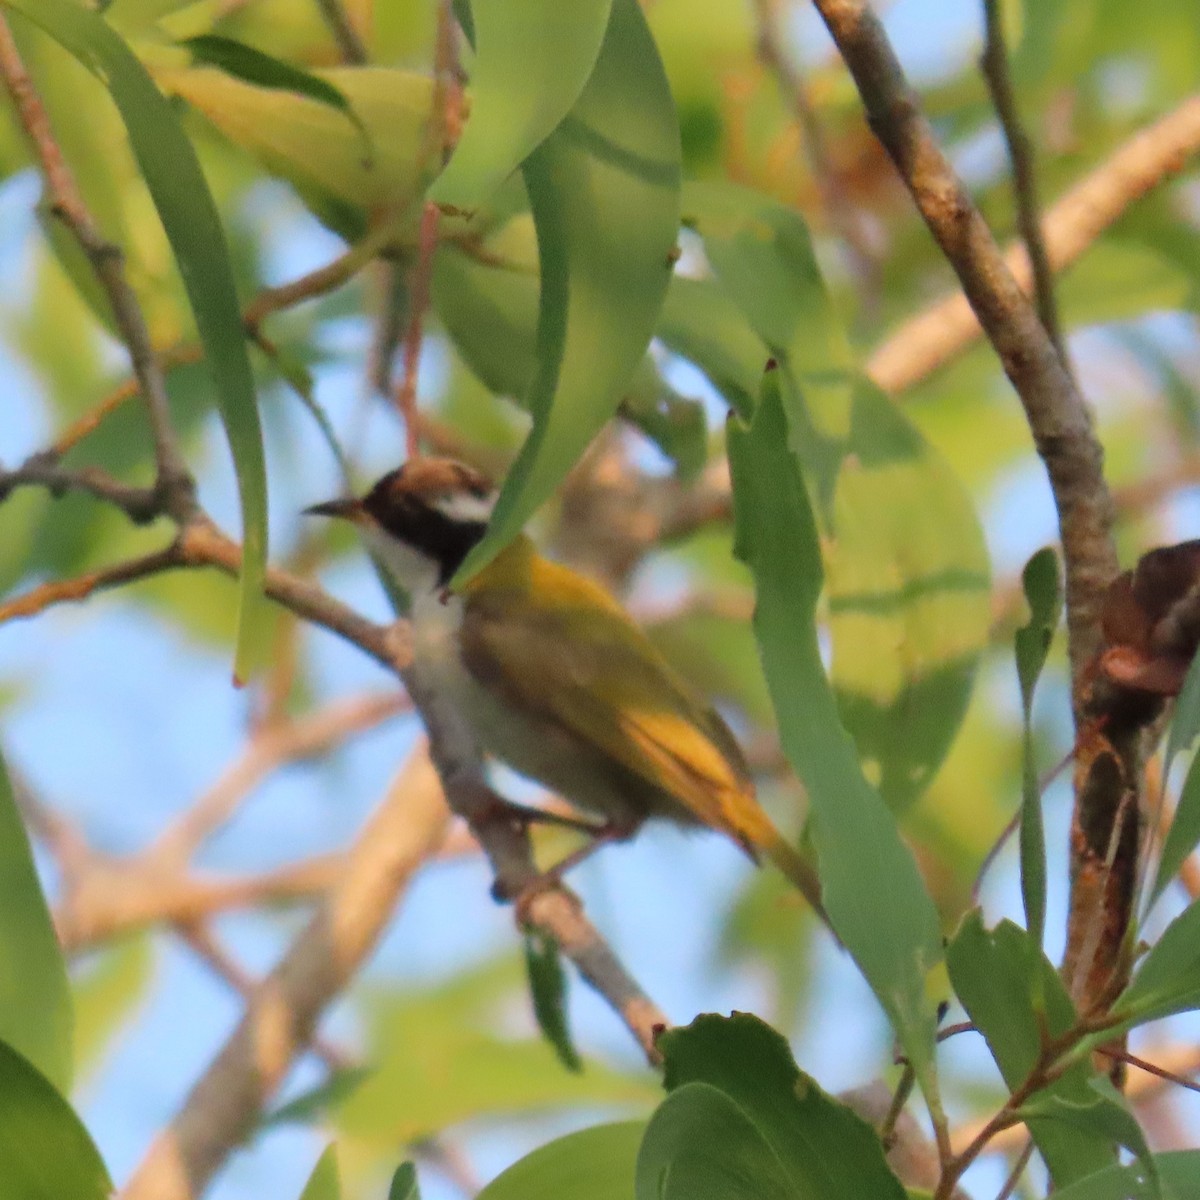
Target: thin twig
(994, 63)
(174, 483)
(840, 209)
(1018, 1169)
(59, 591)
(350, 45)
(280, 1019)
(199, 938)
(140, 505)
(948, 327)
(418, 299)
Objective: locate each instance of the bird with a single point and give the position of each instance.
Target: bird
(552, 676)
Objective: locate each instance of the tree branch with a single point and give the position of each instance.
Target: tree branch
(1065, 441)
(223, 1106)
(947, 328)
(1021, 153)
(174, 484)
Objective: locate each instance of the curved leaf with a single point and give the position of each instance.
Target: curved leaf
(1016, 999)
(45, 1152)
(813, 1147)
(604, 188)
(593, 1164)
(193, 226)
(35, 999)
(905, 559)
(1179, 1171)
(891, 928)
(532, 60)
(700, 1145)
(325, 1182)
(343, 177)
(548, 989)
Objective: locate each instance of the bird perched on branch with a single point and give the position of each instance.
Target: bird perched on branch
(553, 676)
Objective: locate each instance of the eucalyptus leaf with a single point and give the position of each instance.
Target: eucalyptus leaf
(1167, 980)
(1014, 997)
(1044, 597)
(891, 928)
(404, 1183)
(1179, 1172)
(700, 1145)
(45, 1151)
(325, 1182)
(905, 560)
(597, 1163)
(532, 61)
(548, 990)
(784, 1136)
(193, 226)
(36, 1017)
(604, 191)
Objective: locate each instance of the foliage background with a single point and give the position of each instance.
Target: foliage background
(119, 712)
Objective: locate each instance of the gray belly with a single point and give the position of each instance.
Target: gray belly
(541, 750)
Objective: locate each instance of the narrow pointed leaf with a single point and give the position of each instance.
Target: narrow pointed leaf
(1184, 834)
(35, 998)
(604, 189)
(324, 1183)
(45, 1152)
(1167, 981)
(1011, 991)
(532, 61)
(1044, 597)
(905, 560)
(891, 927)
(404, 1183)
(548, 990)
(186, 208)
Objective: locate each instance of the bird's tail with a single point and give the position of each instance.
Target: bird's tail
(765, 839)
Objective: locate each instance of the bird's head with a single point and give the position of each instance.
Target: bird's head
(422, 519)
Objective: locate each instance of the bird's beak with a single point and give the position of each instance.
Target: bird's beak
(346, 510)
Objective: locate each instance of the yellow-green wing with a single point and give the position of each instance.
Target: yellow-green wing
(579, 662)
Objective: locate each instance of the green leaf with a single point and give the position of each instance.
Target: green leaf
(1179, 1171)
(313, 1104)
(193, 226)
(1044, 597)
(324, 1183)
(1102, 1114)
(253, 66)
(532, 61)
(35, 998)
(548, 990)
(1167, 981)
(594, 1164)
(700, 322)
(1185, 825)
(905, 559)
(305, 141)
(604, 189)
(1185, 721)
(891, 928)
(1011, 992)
(107, 993)
(700, 1145)
(813, 1146)
(438, 1061)
(404, 1183)
(1184, 834)
(45, 1151)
